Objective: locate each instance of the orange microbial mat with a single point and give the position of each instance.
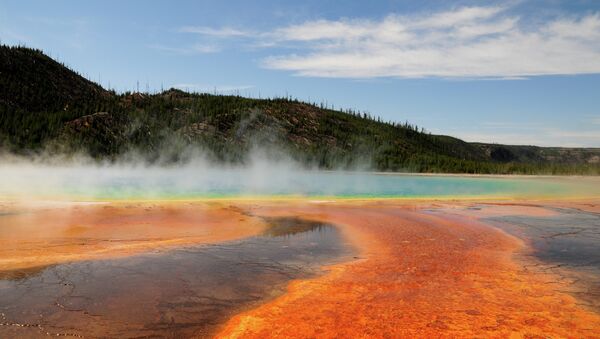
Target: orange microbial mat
(301, 268)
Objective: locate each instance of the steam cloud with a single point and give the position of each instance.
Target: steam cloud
(81, 178)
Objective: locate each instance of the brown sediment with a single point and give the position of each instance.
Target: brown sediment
(422, 275)
(33, 236)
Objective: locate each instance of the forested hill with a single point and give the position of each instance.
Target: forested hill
(45, 107)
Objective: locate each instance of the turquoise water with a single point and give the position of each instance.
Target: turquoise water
(325, 184)
(130, 182)
(182, 183)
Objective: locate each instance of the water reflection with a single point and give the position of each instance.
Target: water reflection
(285, 226)
(183, 292)
(567, 245)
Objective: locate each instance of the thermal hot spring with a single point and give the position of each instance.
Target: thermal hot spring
(201, 252)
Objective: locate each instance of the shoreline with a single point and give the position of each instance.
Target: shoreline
(468, 175)
(295, 198)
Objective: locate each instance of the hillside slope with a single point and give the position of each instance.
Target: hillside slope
(37, 94)
(46, 106)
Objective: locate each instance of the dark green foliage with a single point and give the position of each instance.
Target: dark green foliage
(38, 95)
(45, 106)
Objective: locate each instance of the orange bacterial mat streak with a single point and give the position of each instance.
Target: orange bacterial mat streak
(34, 236)
(421, 276)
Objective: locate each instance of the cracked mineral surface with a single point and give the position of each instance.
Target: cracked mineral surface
(566, 244)
(177, 293)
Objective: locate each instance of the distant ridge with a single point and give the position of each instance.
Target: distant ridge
(44, 106)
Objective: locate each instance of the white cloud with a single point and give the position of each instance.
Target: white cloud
(218, 32)
(456, 17)
(470, 42)
(188, 50)
(461, 43)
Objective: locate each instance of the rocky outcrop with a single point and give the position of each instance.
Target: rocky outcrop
(100, 133)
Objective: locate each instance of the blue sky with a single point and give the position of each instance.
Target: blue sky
(516, 72)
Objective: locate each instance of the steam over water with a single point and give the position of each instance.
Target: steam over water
(198, 180)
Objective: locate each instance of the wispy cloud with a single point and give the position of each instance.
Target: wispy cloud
(467, 42)
(203, 88)
(511, 125)
(217, 32)
(539, 136)
(12, 37)
(74, 32)
(49, 21)
(595, 120)
(187, 50)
